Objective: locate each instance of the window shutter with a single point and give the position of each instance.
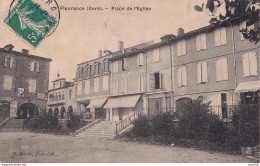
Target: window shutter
(152, 81)
(218, 70)
(199, 73)
(142, 83)
(223, 32)
(5, 62)
(224, 67)
(32, 66)
(125, 86)
(217, 37)
(242, 26)
(184, 76)
(198, 43)
(204, 68)
(203, 40)
(179, 77)
(11, 62)
(38, 67)
(141, 59)
(183, 47)
(179, 48)
(125, 64)
(161, 80)
(253, 63)
(138, 84)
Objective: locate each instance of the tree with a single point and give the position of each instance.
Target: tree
(227, 10)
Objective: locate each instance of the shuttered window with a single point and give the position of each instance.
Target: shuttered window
(140, 59)
(124, 64)
(250, 64)
(105, 83)
(156, 55)
(115, 66)
(220, 36)
(181, 48)
(202, 72)
(34, 66)
(201, 42)
(140, 84)
(182, 76)
(96, 84)
(8, 82)
(32, 85)
(155, 80)
(221, 69)
(79, 88)
(87, 86)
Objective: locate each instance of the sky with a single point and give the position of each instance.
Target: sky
(81, 34)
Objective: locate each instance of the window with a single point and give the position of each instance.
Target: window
(105, 83)
(201, 42)
(155, 81)
(115, 66)
(9, 62)
(80, 72)
(79, 88)
(220, 36)
(106, 66)
(96, 84)
(63, 96)
(140, 59)
(97, 66)
(202, 72)
(87, 86)
(53, 85)
(8, 82)
(32, 85)
(156, 55)
(89, 71)
(182, 76)
(140, 83)
(115, 87)
(249, 64)
(124, 86)
(124, 64)
(243, 26)
(221, 69)
(35, 66)
(181, 48)
(70, 94)
(60, 96)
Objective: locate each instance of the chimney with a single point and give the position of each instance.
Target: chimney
(180, 31)
(9, 47)
(167, 37)
(100, 54)
(121, 46)
(24, 51)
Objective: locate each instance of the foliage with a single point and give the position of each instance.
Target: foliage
(74, 122)
(42, 122)
(141, 126)
(246, 124)
(162, 124)
(226, 10)
(195, 120)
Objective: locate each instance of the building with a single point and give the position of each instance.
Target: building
(128, 88)
(24, 80)
(61, 97)
(216, 62)
(92, 84)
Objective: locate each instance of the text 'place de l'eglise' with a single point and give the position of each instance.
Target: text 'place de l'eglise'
(214, 62)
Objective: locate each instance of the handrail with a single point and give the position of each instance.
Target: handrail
(123, 124)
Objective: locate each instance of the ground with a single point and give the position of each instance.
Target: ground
(27, 147)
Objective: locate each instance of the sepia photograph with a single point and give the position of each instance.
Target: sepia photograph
(129, 81)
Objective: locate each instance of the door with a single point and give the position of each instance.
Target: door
(121, 113)
(155, 106)
(224, 105)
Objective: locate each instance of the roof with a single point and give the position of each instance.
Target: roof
(23, 54)
(207, 28)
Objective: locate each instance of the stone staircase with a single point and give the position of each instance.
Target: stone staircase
(103, 129)
(12, 125)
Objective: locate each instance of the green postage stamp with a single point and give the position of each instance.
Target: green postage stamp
(30, 21)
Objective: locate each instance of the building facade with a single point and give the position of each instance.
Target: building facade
(61, 97)
(24, 80)
(217, 63)
(92, 84)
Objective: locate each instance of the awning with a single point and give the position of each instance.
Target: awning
(97, 103)
(122, 102)
(248, 86)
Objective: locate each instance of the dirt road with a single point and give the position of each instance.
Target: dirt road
(26, 147)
